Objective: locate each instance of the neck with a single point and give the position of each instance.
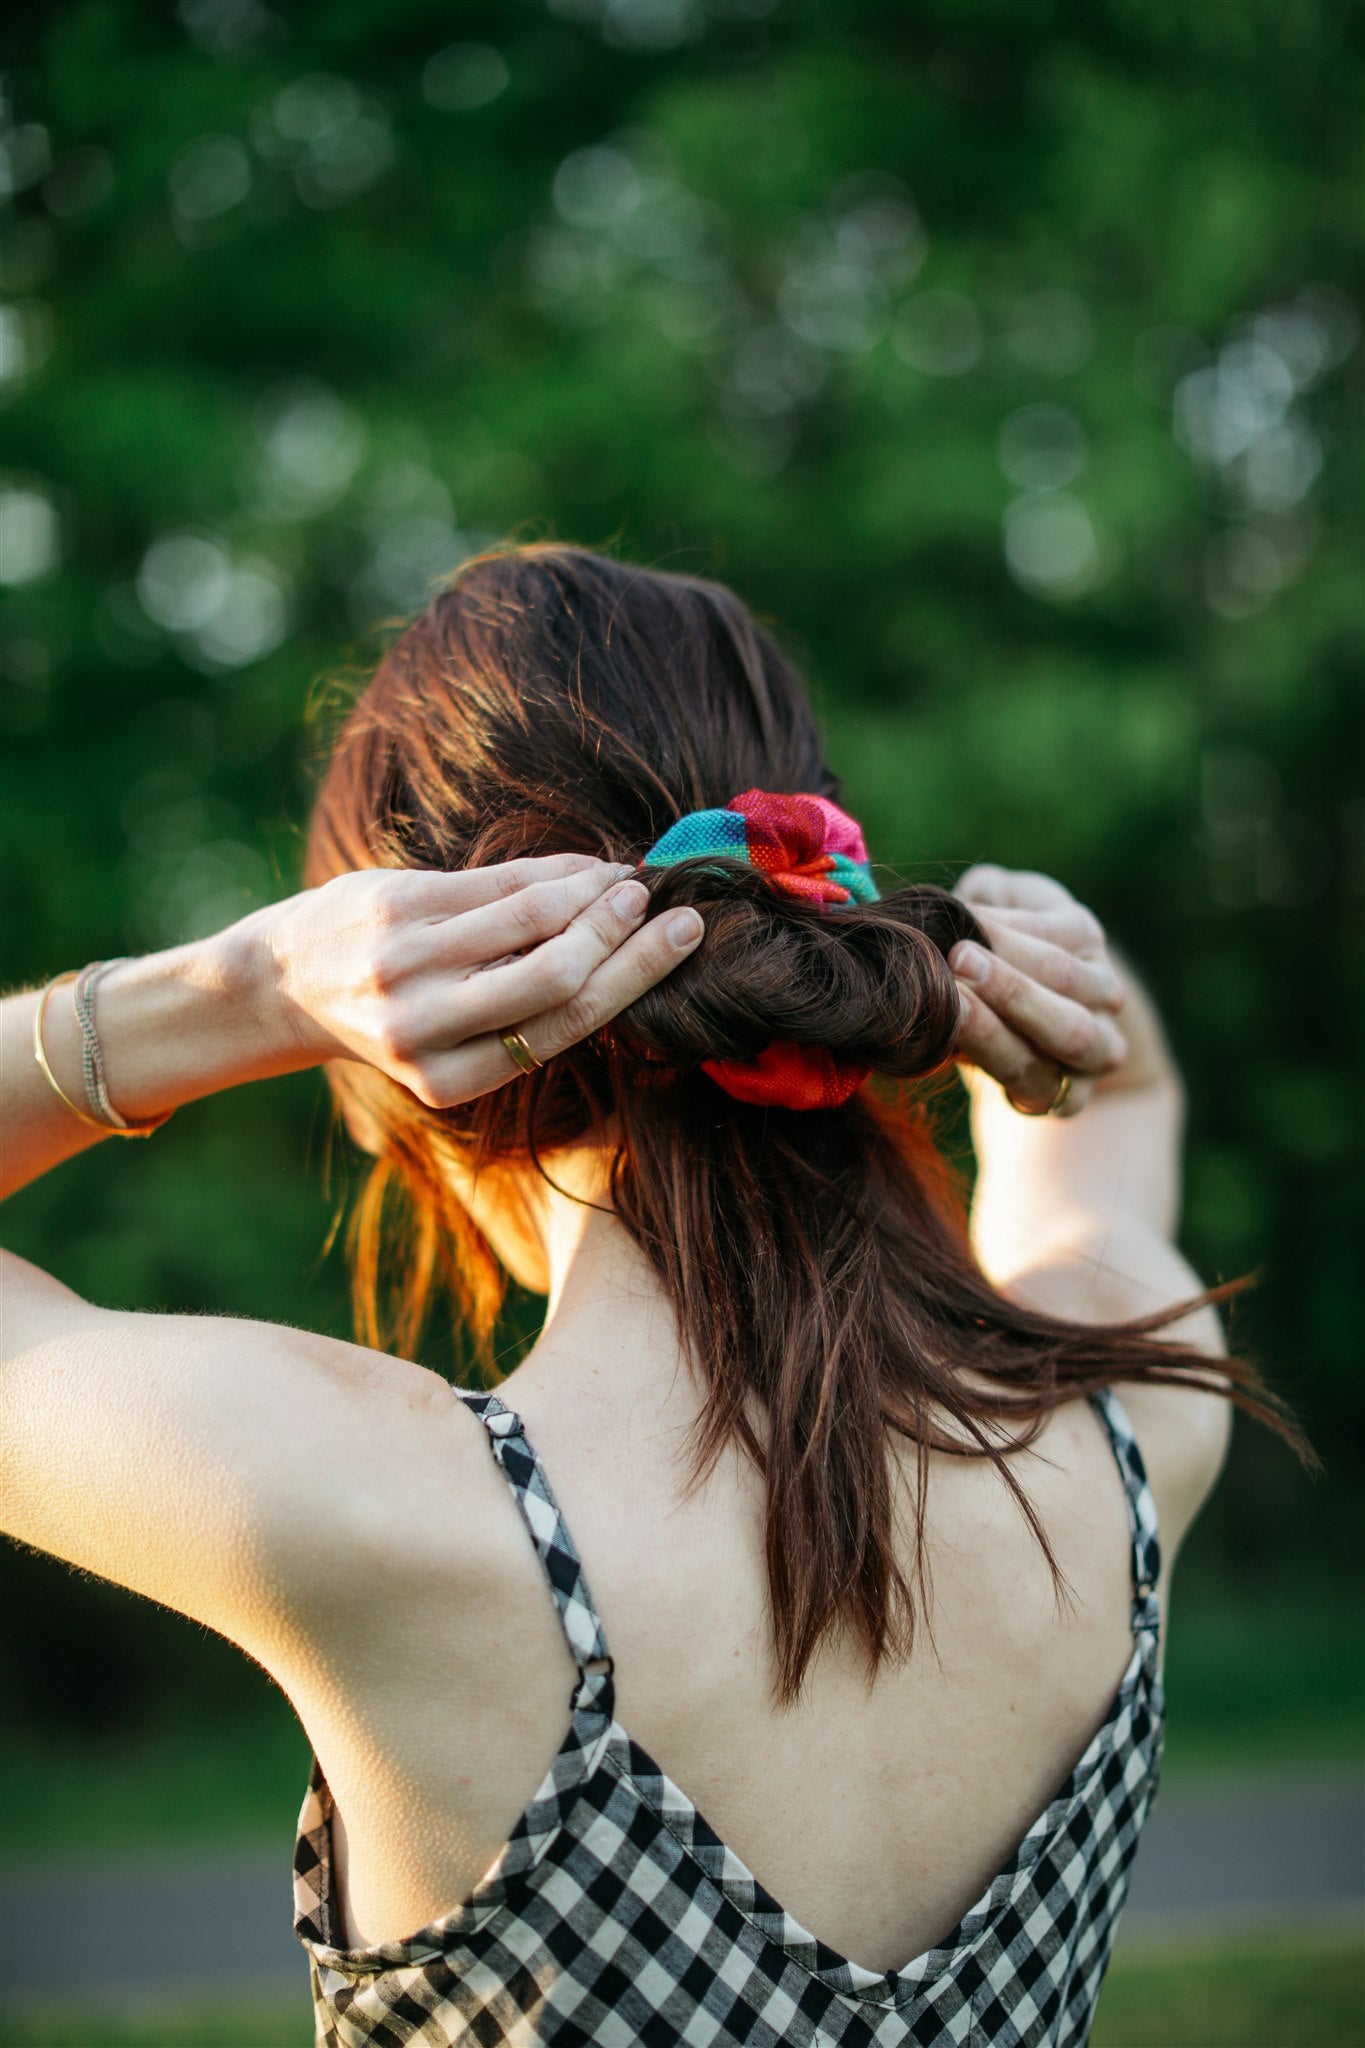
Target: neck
(607, 1315)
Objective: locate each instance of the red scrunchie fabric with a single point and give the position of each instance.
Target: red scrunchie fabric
(798, 842)
(790, 1076)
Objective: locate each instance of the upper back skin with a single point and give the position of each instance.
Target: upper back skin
(876, 1816)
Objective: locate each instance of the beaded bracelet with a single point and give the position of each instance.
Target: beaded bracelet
(101, 1114)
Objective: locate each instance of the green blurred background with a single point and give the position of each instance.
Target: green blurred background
(1003, 353)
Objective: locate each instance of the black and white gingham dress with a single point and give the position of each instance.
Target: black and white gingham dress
(615, 1915)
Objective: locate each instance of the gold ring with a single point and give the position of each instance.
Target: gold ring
(1064, 1089)
(520, 1051)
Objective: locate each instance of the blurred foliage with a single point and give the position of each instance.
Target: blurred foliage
(217, 2022)
(1002, 352)
(1281, 1988)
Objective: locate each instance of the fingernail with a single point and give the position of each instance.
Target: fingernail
(623, 869)
(628, 900)
(684, 929)
(971, 962)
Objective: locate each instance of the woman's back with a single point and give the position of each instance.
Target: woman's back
(876, 1818)
(872, 1815)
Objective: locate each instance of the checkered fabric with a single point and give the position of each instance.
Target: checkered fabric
(614, 1915)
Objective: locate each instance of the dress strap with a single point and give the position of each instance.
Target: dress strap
(1146, 1546)
(555, 1548)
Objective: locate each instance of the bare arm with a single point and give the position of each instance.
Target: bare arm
(174, 1026)
(1104, 1186)
(410, 971)
(161, 1451)
(1077, 1216)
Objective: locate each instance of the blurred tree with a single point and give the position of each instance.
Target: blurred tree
(1004, 354)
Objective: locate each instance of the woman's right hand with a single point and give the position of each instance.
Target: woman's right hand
(417, 971)
(1046, 1000)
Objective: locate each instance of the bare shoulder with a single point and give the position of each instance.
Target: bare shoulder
(247, 1474)
(400, 1490)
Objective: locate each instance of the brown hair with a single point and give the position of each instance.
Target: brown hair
(553, 700)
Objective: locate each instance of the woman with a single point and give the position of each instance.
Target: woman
(882, 1560)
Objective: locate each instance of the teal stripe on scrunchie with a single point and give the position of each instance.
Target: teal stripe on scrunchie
(804, 844)
(700, 832)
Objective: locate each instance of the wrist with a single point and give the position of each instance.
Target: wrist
(1150, 1063)
(190, 1021)
(251, 964)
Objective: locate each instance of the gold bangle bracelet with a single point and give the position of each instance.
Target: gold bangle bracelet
(96, 1093)
(125, 1130)
(40, 1051)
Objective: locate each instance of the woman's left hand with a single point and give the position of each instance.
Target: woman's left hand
(1042, 1003)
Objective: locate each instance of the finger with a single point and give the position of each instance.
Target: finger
(1018, 888)
(523, 918)
(1084, 979)
(407, 893)
(1061, 1031)
(1071, 925)
(484, 1063)
(553, 972)
(1030, 1082)
(623, 977)
(1077, 1096)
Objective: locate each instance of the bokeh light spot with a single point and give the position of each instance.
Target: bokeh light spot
(25, 340)
(939, 333)
(1051, 547)
(311, 446)
(464, 76)
(209, 177)
(596, 187)
(182, 580)
(30, 533)
(1042, 447)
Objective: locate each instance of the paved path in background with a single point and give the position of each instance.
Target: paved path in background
(1257, 1856)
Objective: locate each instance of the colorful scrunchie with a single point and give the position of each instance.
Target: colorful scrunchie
(809, 847)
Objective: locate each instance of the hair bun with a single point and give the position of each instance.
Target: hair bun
(868, 981)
